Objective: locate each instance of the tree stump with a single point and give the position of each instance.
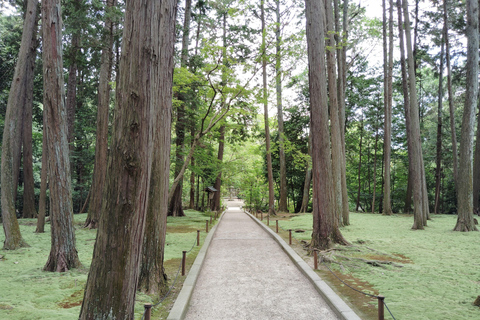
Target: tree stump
(477, 302)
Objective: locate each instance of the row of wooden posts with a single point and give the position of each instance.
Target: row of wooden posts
(148, 306)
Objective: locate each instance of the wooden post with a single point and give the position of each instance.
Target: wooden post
(290, 236)
(198, 238)
(184, 258)
(381, 315)
(276, 221)
(206, 226)
(315, 259)
(148, 311)
(210, 219)
(268, 220)
(261, 216)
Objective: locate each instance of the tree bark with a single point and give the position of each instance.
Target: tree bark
(388, 70)
(271, 193)
(438, 169)
(12, 133)
(375, 167)
(465, 220)
(325, 226)
(218, 181)
(282, 203)
(42, 201)
(63, 253)
(147, 54)
(101, 145)
(419, 198)
(359, 188)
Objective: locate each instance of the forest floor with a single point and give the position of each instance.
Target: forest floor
(431, 274)
(27, 292)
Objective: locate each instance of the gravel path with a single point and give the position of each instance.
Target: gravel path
(246, 275)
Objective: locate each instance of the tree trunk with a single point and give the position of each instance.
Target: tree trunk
(465, 189)
(271, 193)
(11, 144)
(450, 100)
(191, 204)
(42, 201)
(63, 253)
(101, 145)
(282, 203)
(147, 56)
(218, 182)
(419, 198)
(325, 226)
(306, 190)
(336, 138)
(438, 170)
(359, 166)
(375, 168)
(29, 210)
(152, 278)
(388, 70)
(71, 100)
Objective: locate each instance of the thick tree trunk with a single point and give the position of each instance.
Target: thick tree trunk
(438, 170)
(325, 226)
(147, 54)
(271, 193)
(42, 201)
(388, 70)
(218, 182)
(336, 138)
(11, 143)
(419, 198)
(29, 210)
(282, 203)
(101, 145)
(63, 253)
(465, 174)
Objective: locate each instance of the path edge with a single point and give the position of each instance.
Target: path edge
(180, 307)
(337, 304)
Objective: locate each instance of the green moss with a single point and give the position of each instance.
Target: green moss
(27, 292)
(440, 277)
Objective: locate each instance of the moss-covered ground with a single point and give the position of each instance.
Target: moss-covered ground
(27, 292)
(434, 274)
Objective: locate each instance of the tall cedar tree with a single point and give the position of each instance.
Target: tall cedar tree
(63, 253)
(419, 189)
(271, 193)
(325, 226)
(282, 203)
(465, 220)
(17, 101)
(101, 142)
(147, 52)
(438, 160)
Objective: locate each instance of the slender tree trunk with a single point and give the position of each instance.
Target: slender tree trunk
(71, 100)
(271, 193)
(419, 198)
(438, 170)
(451, 106)
(13, 130)
(336, 138)
(192, 184)
(388, 70)
(101, 145)
(63, 253)
(308, 179)
(465, 174)
(218, 181)
(143, 86)
(282, 203)
(359, 166)
(325, 226)
(375, 168)
(42, 201)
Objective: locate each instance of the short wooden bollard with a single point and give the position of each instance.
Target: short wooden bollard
(268, 220)
(210, 219)
(184, 258)
(206, 226)
(315, 259)
(198, 238)
(148, 311)
(276, 222)
(381, 314)
(261, 216)
(289, 236)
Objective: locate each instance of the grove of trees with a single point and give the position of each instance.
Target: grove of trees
(129, 110)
